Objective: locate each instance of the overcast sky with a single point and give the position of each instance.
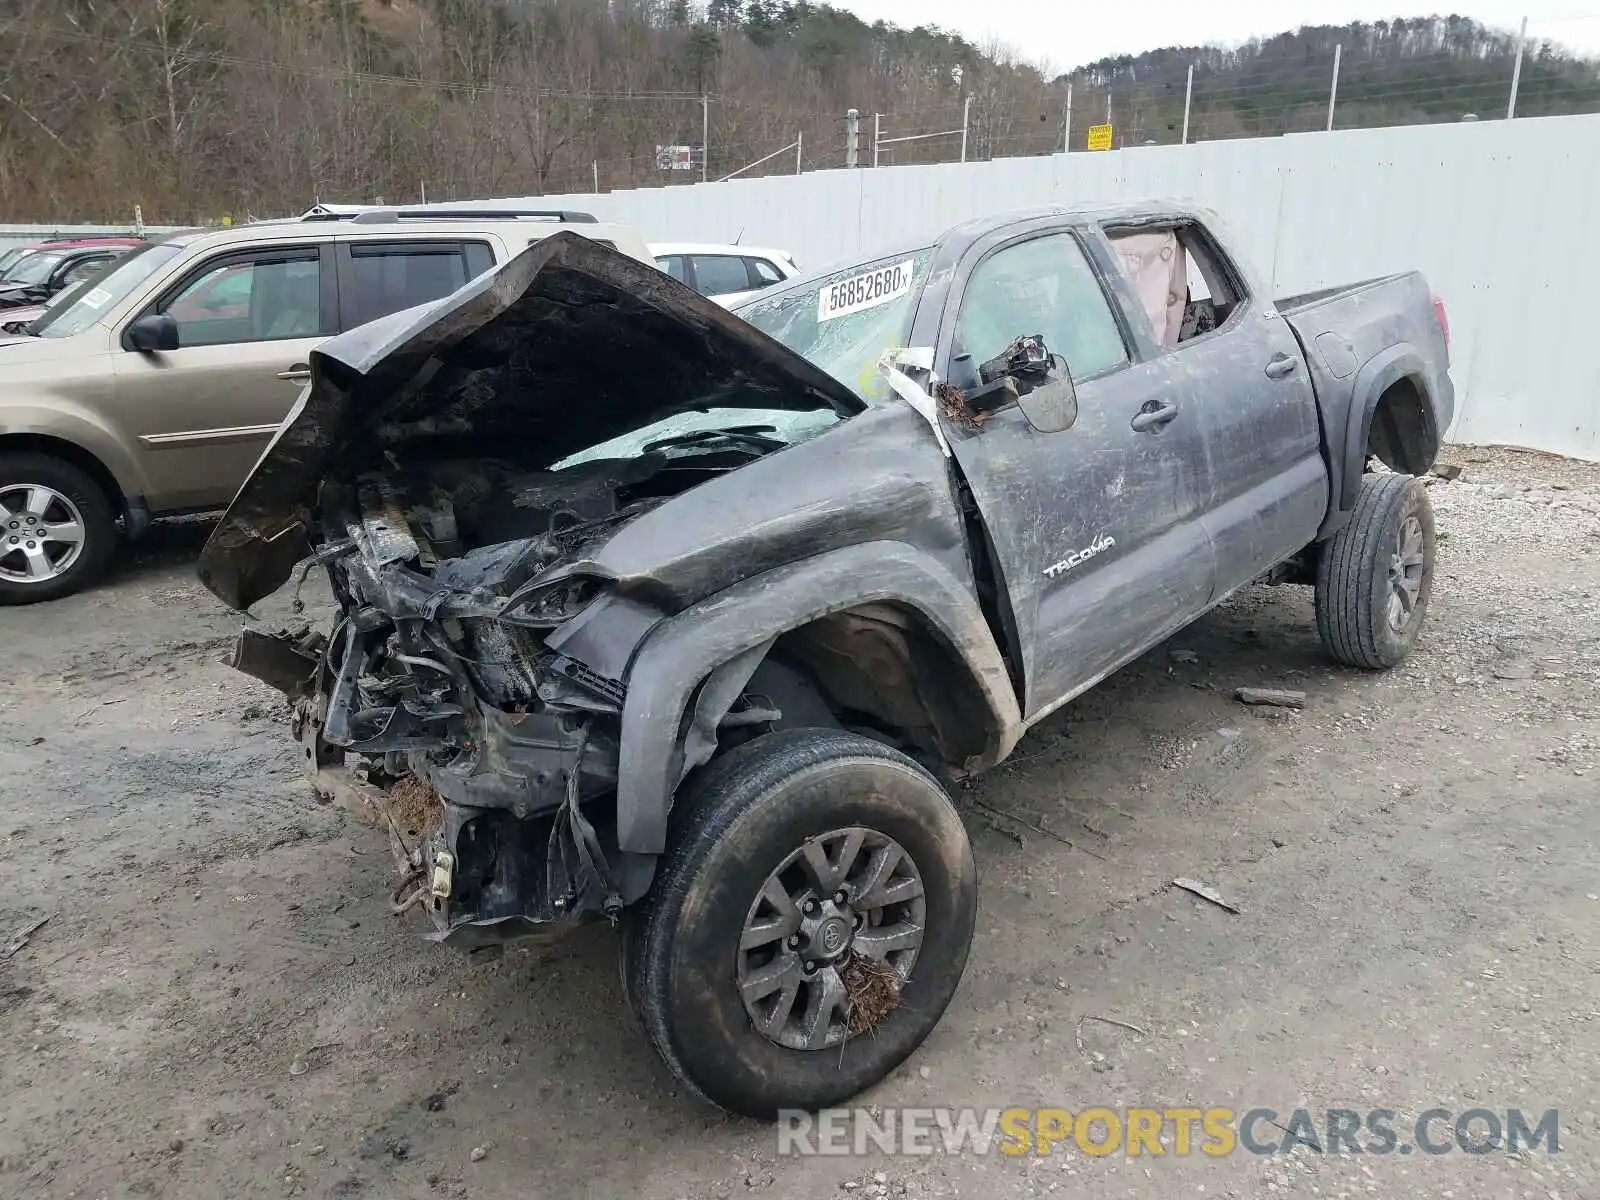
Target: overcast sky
(1061, 34)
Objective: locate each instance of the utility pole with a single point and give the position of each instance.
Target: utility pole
(1066, 131)
(966, 115)
(877, 135)
(705, 135)
(596, 166)
(799, 149)
(1516, 71)
(1333, 91)
(1188, 98)
(852, 136)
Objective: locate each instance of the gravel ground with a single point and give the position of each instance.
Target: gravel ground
(221, 1006)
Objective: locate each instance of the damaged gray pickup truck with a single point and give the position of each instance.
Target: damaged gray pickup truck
(657, 613)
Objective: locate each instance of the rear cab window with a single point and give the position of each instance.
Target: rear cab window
(1186, 285)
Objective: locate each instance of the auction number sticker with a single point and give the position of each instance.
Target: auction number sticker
(95, 297)
(865, 291)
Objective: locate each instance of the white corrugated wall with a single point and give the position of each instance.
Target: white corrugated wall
(1495, 213)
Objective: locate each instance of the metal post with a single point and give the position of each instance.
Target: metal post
(1188, 98)
(705, 135)
(966, 116)
(1516, 71)
(877, 135)
(852, 136)
(1066, 134)
(1333, 91)
(424, 191)
(799, 149)
(596, 167)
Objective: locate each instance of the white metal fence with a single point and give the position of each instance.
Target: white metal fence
(1495, 213)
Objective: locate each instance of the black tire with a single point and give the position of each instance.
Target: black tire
(98, 521)
(736, 824)
(1355, 586)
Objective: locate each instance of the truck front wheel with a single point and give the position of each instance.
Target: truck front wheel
(1375, 576)
(808, 925)
(57, 529)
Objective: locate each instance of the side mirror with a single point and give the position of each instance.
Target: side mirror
(154, 332)
(1051, 405)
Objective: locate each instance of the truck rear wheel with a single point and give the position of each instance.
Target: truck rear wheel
(1375, 576)
(57, 530)
(808, 925)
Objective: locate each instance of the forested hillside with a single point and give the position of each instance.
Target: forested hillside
(196, 108)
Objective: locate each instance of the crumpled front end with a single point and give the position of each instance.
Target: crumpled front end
(441, 700)
(455, 470)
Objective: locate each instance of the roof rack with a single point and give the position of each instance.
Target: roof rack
(365, 215)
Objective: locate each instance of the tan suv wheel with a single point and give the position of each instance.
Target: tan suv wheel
(57, 530)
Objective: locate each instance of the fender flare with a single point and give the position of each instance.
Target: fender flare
(685, 649)
(1381, 372)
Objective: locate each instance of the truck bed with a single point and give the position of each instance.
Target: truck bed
(1360, 339)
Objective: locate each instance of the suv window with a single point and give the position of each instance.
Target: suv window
(380, 278)
(765, 273)
(1046, 286)
(83, 268)
(675, 265)
(262, 297)
(719, 274)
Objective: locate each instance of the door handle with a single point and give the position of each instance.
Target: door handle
(298, 373)
(1147, 419)
(1281, 367)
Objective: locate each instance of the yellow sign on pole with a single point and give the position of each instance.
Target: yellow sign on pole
(1100, 137)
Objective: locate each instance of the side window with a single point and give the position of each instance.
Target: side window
(1043, 286)
(262, 298)
(675, 265)
(764, 272)
(385, 277)
(82, 269)
(719, 274)
(1183, 283)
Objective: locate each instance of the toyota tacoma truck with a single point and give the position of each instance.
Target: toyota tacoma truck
(654, 612)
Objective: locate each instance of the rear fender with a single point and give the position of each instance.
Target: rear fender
(1382, 371)
(721, 639)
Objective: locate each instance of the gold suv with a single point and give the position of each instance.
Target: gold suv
(154, 391)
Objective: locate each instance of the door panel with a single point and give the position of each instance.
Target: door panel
(1270, 480)
(1096, 529)
(202, 414)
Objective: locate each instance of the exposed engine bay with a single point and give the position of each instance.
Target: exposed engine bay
(447, 686)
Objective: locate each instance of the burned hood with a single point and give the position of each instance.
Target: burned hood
(564, 347)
